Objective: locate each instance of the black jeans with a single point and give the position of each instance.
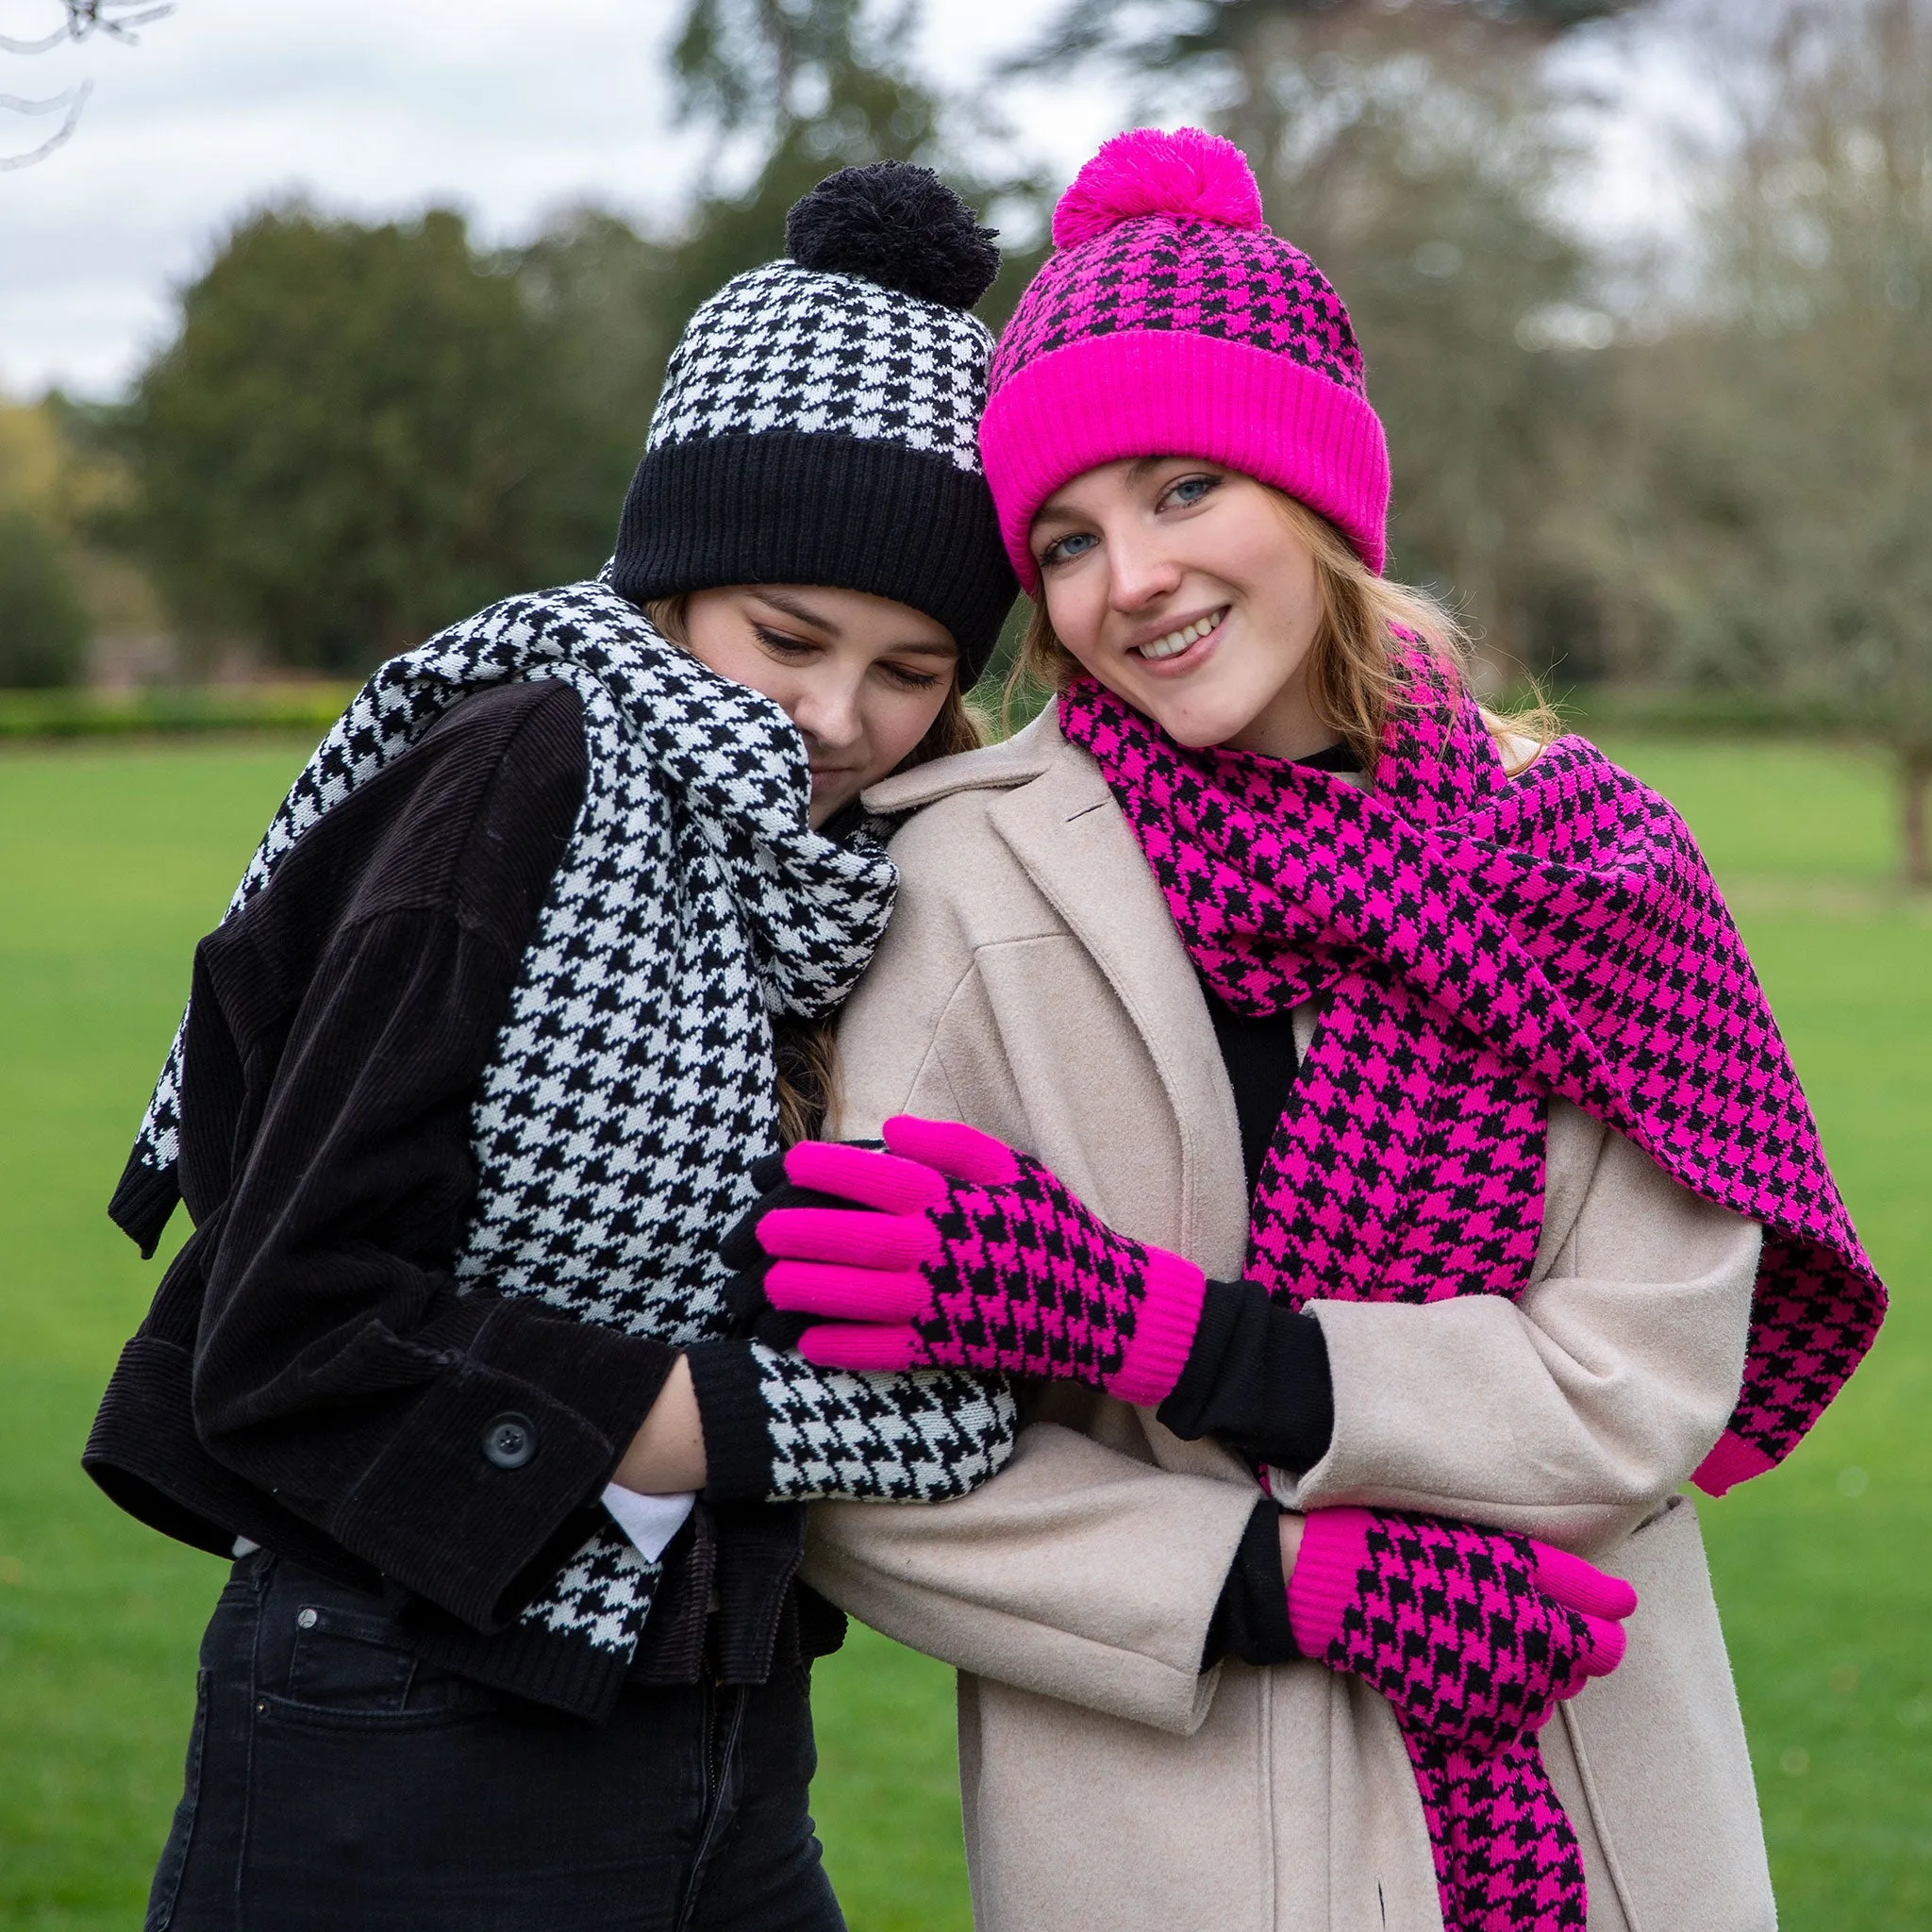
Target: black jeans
(335, 1783)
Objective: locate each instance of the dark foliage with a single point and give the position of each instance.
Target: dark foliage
(43, 628)
(359, 435)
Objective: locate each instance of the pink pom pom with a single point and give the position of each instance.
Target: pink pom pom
(1148, 172)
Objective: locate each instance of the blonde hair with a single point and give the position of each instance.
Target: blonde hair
(1353, 680)
(806, 1051)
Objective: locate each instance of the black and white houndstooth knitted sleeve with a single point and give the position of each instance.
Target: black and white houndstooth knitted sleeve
(779, 1429)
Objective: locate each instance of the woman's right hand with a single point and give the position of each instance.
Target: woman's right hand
(954, 1250)
(1474, 1635)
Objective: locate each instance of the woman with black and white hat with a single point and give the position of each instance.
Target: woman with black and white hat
(476, 1071)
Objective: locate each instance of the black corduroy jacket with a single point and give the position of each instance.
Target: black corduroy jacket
(310, 1375)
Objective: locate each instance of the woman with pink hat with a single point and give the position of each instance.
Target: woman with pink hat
(1354, 1118)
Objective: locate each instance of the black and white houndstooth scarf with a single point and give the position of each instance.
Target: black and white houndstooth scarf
(632, 1087)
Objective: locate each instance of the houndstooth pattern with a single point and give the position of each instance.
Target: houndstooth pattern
(1455, 1626)
(632, 1086)
(1505, 1854)
(785, 348)
(1163, 271)
(1449, 1623)
(1029, 1282)
(896, 1439)
(1486, 943)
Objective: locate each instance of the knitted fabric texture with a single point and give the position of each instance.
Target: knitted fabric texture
(1171, 322)
(817, 427)
(1485, 942)
(632, 1086)
(1454, 1627)
(1452, 1624)
(976, 1256)
(1505, 1854)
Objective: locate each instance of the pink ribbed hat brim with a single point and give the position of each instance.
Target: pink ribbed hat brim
(1154, 392)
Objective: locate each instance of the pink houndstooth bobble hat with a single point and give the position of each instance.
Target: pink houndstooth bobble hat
(1170, 321)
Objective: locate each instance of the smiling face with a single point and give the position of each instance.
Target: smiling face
(862, 677)
(1182, 587)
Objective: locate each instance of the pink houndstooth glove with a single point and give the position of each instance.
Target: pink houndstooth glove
(974, 1255)
(1505, 1854)
(1473, 1634)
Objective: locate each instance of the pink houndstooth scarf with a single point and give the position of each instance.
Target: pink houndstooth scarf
(1486, 943)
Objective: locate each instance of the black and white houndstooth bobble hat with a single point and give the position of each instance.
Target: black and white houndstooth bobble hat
(819, 422)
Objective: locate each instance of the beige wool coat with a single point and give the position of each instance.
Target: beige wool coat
(1032, 983)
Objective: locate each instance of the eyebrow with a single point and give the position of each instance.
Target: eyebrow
(802, 613)
(1051, 511)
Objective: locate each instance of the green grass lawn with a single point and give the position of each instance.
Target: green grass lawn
(113, 861)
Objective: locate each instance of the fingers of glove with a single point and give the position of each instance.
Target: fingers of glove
(955, 1149)
(744, 1298)
(862, 1174)
(1580, 1585)
(779, 1330)
(1607, 1643)
(872, 1348)
(740, 1248)
(848, 1294)
(855, 1236)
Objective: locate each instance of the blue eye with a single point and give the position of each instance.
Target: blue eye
(1064, 549)
(1191, 489)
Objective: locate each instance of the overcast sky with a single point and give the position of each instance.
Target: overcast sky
(502, 107)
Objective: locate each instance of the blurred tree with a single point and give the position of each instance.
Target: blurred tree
(1777, 459)
(1414, 151)
(787, 95)
(803, 89)
(358, 435)
(362, 432)
(44, 625)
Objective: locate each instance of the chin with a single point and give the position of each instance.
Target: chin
(1197, 726)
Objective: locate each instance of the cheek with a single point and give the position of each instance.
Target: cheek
(1076, 606)
(894, 723)
(727, 650)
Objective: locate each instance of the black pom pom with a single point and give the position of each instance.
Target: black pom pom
(899, 226)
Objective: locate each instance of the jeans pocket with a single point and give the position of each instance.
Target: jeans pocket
(167, 1886)
(348, 1660)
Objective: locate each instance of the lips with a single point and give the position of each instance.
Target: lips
(1174, 644)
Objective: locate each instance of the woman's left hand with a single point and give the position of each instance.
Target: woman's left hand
(1474, 1635)
(962, 1252)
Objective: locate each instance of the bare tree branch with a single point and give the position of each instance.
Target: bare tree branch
(117, 19)
(72, 102)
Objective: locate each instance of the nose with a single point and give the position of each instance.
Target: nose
(828, 712)
(1139, 572)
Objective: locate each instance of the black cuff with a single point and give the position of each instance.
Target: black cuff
(1258, 1377)
(473, 1495)
(726, 1378)
(1251, 1620)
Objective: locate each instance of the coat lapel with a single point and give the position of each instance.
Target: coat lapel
(1065, 828)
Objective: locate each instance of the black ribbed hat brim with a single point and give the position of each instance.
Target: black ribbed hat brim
(845, 511)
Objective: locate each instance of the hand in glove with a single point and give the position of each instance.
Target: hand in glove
(1473, 1634)
(973, 1255)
